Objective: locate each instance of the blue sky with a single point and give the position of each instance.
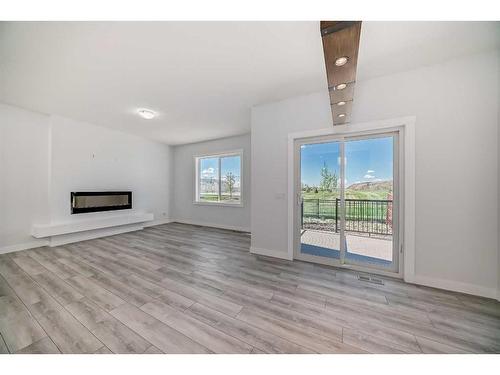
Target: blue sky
(209, 166)
(367, 160)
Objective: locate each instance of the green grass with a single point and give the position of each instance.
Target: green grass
(209, 197)
(215, 198)
(323, 195)
(349, 194)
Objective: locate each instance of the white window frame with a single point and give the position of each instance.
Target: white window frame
(220, 155)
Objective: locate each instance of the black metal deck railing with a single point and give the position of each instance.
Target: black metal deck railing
(362, 215)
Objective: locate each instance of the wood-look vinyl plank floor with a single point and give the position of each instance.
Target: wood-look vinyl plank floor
(3, 346)
(157, 333)
(111, 332)
(42, 346)
(179, 288)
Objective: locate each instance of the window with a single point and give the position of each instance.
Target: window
(218, 178)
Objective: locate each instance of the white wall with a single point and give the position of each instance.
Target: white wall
(86, 157)
(237, 218)
(498, 176)
(270, 127)
(456, 162)
(44, 158)
(24, 160)
(456, 109)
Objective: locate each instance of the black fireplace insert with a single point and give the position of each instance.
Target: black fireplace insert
(96, 201)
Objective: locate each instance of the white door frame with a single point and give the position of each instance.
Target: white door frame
(396, 267)
(406, 128)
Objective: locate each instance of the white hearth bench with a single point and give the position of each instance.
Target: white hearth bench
(88, 228)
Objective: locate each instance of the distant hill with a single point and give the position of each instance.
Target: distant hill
(376, 190)
(371, 186)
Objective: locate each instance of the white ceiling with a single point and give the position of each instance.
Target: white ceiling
(391, 47)
(201, 77)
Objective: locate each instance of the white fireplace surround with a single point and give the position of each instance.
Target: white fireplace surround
(84, 229)
(46, 162)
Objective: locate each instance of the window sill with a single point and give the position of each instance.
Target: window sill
(219, 204)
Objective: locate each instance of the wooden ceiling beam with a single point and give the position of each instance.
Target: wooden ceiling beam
(341, 39)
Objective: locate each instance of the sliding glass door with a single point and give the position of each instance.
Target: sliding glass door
(347, 198)
(320, 195)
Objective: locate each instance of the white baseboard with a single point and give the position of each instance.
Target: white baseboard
(23, 246)
(157, 222)
(270, 253)
(211, 225)
(455, 286)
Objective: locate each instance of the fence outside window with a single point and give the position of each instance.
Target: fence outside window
(362, 215)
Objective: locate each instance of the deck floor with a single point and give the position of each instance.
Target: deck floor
(178, 288)
(360, 245)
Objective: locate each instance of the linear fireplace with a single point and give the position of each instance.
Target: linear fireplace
(96, 201)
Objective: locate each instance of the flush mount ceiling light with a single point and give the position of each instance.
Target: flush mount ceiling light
(146, 114)
(341, 115)
(341, 61)
(341, 86)
(340, 103)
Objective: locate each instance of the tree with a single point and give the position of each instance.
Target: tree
(211, 184)
(328, 180)
(335, 181)
(230, 182)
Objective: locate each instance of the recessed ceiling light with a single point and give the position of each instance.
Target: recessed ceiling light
(341, 86)
(146, 114)
(341, 61)
(341, 115)
(340, 103)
